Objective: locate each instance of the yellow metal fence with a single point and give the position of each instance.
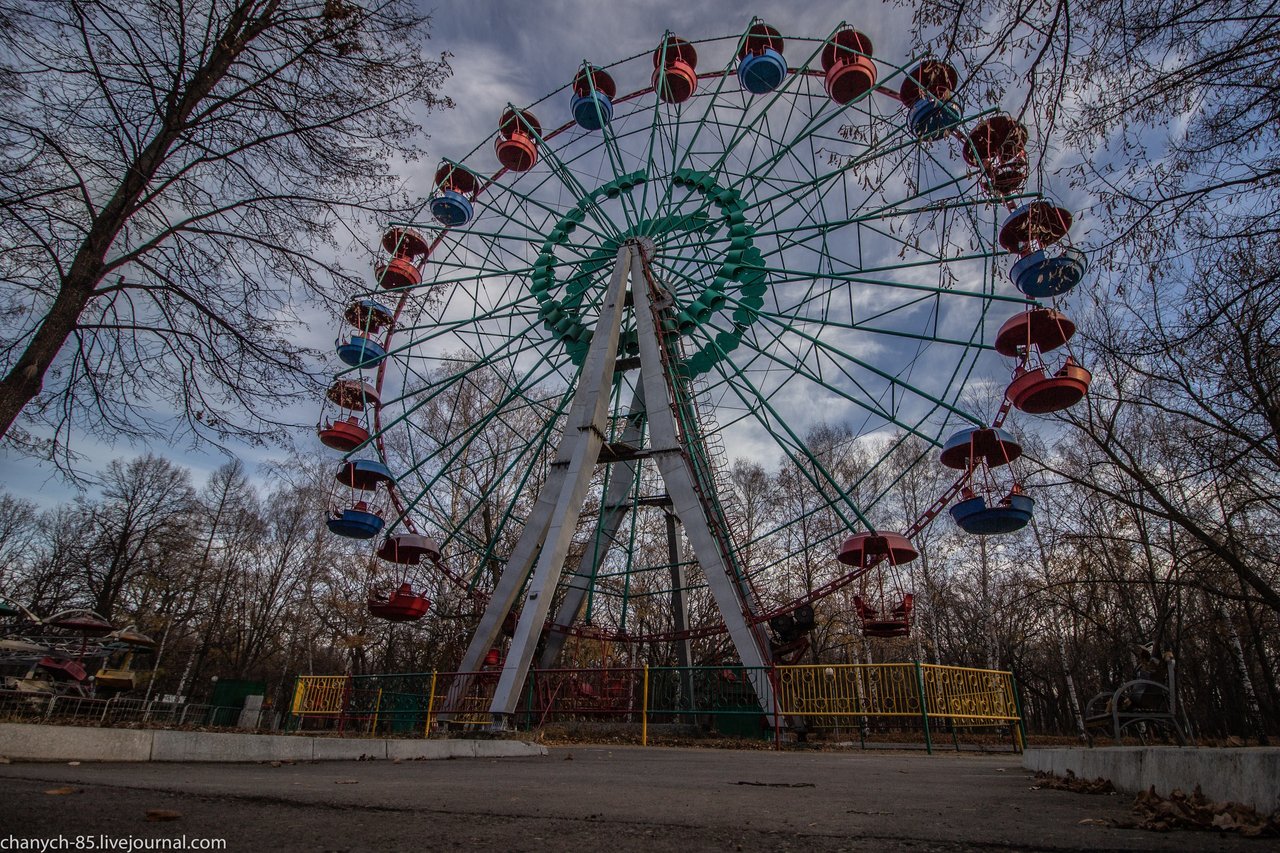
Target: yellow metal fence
(821, 696)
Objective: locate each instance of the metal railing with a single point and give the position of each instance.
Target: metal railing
(904, 697)
(30, 707)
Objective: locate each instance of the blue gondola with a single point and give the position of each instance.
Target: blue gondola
(1010, 515)
(592, 111)
(592, 90)
(930, 119)
(1041, 276)
(355, 523)
(451, 209)
(360, 351)
(761, 73)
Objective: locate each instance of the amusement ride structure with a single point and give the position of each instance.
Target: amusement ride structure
(73, 652)
(667, 257)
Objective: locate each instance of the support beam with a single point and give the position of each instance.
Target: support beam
(677, 472)
(580, 449)
(680, 611)
(614, 510)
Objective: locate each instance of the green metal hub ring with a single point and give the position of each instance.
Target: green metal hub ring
(740, 276)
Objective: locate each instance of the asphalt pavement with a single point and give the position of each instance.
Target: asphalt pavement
(610, 799)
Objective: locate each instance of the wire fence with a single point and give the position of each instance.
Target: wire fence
(30, 707)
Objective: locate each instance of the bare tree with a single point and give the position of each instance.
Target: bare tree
(143, 524)
(1175, 105)
(173, 178)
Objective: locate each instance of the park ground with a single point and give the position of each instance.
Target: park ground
(590, 798)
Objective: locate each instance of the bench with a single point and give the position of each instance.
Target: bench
(1135, 702)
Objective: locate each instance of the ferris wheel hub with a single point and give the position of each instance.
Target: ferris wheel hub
(646, 246)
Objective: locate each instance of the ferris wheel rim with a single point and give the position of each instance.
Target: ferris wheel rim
(406, 518)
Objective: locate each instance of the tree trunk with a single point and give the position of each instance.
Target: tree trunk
(1072, 696)
(1252, 709)
(76, 288)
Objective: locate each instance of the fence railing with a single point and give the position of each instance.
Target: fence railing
(812, 698)
(33, 707)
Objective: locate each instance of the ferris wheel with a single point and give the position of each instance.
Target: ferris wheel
(709, 249)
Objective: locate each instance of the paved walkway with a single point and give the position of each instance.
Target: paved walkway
(587, 798)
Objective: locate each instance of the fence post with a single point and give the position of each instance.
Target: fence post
(924, 708)
(1021, 728)
(431, 704)
(644, 708)
(777, 707)
(530, 692)
(373, 729)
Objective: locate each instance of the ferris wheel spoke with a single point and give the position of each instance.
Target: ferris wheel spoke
(864, 402)
(473, 431)
(514, 345)
(788, 440)
(527, 201)
(842, 356)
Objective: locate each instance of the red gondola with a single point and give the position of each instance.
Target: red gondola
(846, 61)
(884, 604)
(408, 249)
(998, 145)
(1036, 391)
(674, 70)
(1037, 388)
(516, 146)
(401, 605)
(345, 435)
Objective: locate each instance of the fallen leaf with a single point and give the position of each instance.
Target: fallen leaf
(73, 763)
(780, 784)
(346, 781)
(162, 814)
(61, 792)
(1093, 821)
(275, 764)
(4, 760)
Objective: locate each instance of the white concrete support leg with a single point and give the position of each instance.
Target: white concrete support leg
(675, 466)
(616, 506)
(580, 446)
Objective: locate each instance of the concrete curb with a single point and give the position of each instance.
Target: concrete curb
(1250, 776)
(34, 742)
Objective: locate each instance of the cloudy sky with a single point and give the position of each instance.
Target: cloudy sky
(509, 52)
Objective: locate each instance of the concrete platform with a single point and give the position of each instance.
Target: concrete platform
(1250, 775)
(34, 742)
(614, 799)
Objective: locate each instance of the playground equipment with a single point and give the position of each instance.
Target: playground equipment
(725, 254)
